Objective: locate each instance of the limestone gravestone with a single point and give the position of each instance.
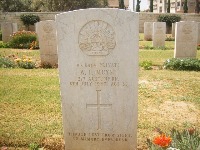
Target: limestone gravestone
(198, 42)
(191, 5)
(7, 30)
(148, 29)
(159, 34)
(98, 67)
(186, 39)
(173, 29)
(46, 31)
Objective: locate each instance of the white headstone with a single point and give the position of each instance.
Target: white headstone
(148, 29)
(98, 67)
(159, 34)
(173, 29)
(186, 39)
(198, 41)
(7, 30)
(46, 31)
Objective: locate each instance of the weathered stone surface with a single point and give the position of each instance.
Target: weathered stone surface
(159, 34)
(98, 67)
(8, 29)
(46, 31)
(186, 39)
(148, 29)
(198, 42)
(173, 29)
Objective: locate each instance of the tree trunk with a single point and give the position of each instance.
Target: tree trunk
(121, 4)
(138, 6)
(185, 7)
(105, 3)
(151, 6)
(168, 6)
(197, 7)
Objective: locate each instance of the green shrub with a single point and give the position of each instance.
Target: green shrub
(13, 61)
(148, 47)
(25, 62)
(6, 62)
(33, 146)
(169, 38)
(4, 45)
(169, 19)
(29, 19)
(147, 65)
(188, 64)
(24, 40)
(186, 139)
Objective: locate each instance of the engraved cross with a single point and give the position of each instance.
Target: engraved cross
(99, 106)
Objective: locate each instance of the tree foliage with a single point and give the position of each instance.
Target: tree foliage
(20, 5)
(29, 19)
(169, 19)
(66, 5)
(49, 5)
(105, 3)
(121, 4)
(197, 8)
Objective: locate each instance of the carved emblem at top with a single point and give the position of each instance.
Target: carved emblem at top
(48, 28)
(187, 29)
(187, 33)
(97, 38)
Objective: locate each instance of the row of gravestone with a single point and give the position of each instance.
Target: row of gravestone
(98, 69)
(187, 36)
(46, 31)
(7, 30)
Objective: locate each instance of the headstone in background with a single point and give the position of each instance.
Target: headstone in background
(186, 39)
(173, 29)
(159, 34)
(8, 29)
(198, 41)
(191, 6)
(46, 32)
(98, 67)
(148, 29)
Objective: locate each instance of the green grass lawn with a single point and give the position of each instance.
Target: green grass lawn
(30, 107)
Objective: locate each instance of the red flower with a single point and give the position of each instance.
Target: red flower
(191, 131)
(162, 140)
